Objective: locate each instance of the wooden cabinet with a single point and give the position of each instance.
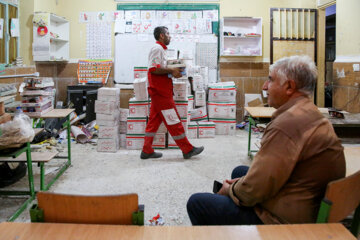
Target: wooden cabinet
(50, 37)
(241, 36)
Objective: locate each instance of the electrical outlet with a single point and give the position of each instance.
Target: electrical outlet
(356, 67)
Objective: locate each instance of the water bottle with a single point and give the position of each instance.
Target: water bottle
(18, 111)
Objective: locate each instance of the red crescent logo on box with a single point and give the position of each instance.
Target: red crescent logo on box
(201, 132)
(129, 143)
(214, 94)
(131, 126)
(132, 110)
(215, 110)
(200, 112)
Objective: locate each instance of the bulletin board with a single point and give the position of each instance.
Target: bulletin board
(132, 48)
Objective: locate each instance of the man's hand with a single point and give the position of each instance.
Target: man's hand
(224, 190)
(226, 186)
(176, 72)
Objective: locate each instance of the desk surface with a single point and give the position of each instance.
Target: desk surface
(352, 159)
(58, 113)
(38, 231)
(260, 112)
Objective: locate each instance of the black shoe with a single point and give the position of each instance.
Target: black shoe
(193, 152)
(151, 155)
(9, 176)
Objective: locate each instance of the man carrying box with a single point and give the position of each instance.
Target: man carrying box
(162, 103)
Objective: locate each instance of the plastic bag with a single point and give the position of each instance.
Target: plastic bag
(17, 131)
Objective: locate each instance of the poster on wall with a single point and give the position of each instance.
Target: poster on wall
(211, 14)
(1, 28)
(132, 14)
(117, 16)
(147, 15)
(14, 27)
(98, 41)
(102, 16)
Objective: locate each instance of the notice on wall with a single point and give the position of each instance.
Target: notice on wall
(98, 44)
(1, 28)
(14, 27)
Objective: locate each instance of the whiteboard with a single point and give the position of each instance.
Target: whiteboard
(132, 50)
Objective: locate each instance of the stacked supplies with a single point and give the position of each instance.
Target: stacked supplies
(37, 96)
(108, 117)
(7, 95)
(222, 107)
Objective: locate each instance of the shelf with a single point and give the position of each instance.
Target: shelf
(239, 55)
(58, 19)
(241, 46)
(235, 37)
(53, 45)
(58, 40)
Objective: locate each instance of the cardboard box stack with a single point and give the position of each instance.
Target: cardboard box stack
(124, 113)
(107, 109)
(138, 112)
(37, 96)
(222, 107)
(7, 101)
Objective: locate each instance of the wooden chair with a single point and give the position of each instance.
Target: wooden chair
(63, 208)
(342, 197)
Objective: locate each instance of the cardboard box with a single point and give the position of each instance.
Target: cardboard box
(182, 108)
(159, 141)
(124, 113)
(108, 132)
(140, 72)
(206, 130)
(138, 108)
(199, 114)
(224, 126)
(192, 130)
(134, 141)
(136, 125)
(140, 89)
(222, 92)
(222, 110)
(198, 82)
(107, 94)
(122, 138)
(114, 116)
(180, 91)
(106, 107)
(108, 144)
(125, 96)
(200, 98)
(5, 118)
(123, 127)
(107, 123)
(191, 102)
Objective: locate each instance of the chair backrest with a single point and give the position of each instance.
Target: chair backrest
(63, 208)
(344, 195)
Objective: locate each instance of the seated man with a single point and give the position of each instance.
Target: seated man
(299, 155)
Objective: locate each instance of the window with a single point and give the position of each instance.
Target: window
(9, 43)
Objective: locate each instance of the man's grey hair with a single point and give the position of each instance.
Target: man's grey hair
(301, 69)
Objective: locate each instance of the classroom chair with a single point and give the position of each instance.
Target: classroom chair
(342, 197)
(65, 208)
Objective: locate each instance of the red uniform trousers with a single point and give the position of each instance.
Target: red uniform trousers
(177, 131)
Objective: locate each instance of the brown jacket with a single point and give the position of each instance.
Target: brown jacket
(299, 155)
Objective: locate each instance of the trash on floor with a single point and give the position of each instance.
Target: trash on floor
(156, 221)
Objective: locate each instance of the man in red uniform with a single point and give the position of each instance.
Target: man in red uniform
(162, 103)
